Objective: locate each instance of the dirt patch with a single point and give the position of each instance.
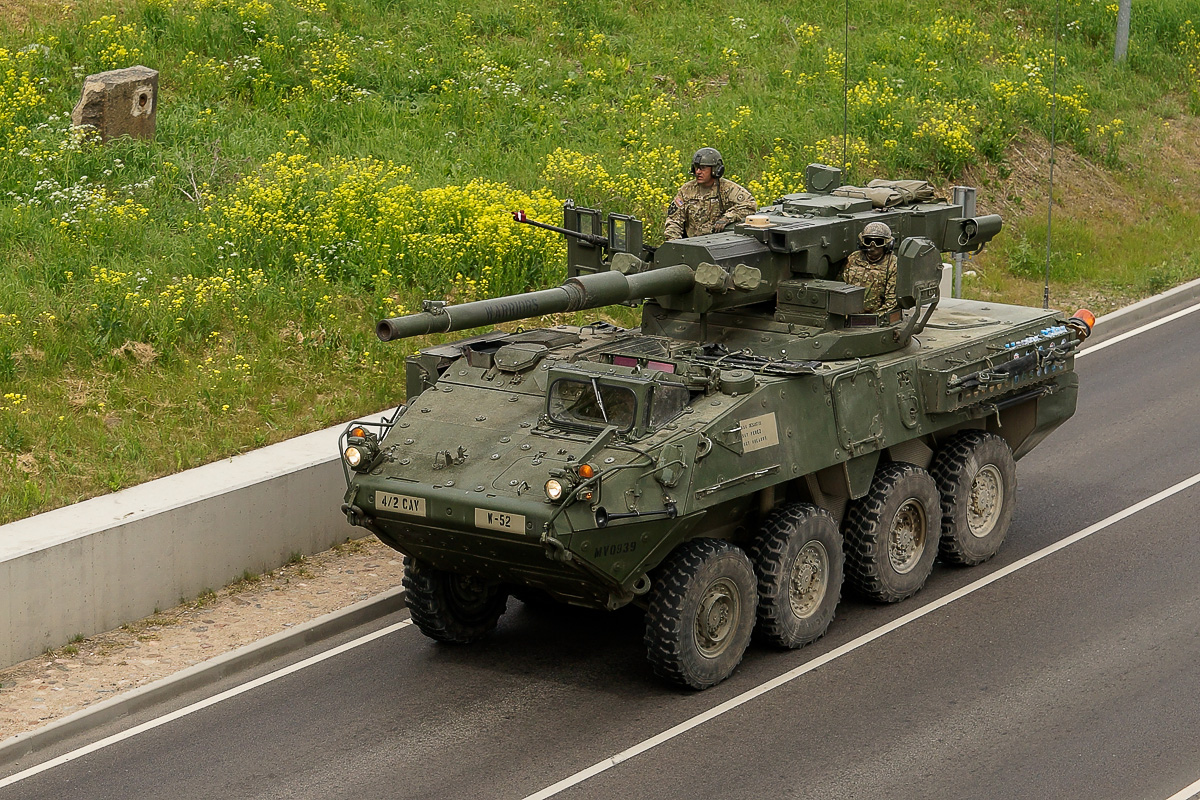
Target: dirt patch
(79, 393)
(18, 14)
(1018, 188)
(88, 671)
(1174, 150)
(141, 352)
(1121, 210)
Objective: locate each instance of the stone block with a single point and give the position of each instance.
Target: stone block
(120, 102)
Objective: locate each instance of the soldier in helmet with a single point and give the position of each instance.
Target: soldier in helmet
(710, 203)
(873, 266)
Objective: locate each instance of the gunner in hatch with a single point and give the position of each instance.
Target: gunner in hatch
(873, 267)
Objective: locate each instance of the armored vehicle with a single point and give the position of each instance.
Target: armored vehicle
(725, 464)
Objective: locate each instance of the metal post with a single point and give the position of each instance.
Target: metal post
(1122, 47)
(963, 196)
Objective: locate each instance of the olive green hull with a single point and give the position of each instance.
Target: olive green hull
(464, 467)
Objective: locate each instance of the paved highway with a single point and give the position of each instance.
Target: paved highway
(1066, 667)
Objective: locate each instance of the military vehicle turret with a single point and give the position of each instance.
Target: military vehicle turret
(725, 464)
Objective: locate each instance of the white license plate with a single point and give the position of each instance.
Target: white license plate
(499, 520)
(400, 504)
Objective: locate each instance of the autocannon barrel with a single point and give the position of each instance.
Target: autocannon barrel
(582, 292)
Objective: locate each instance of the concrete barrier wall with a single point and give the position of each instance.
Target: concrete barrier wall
(95, 565)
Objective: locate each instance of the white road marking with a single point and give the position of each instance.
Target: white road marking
(194, 707)
(1186, 793)
(866, 638)
(1141, 329)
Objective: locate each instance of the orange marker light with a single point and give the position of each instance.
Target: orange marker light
(359, 432)
(586, 471)
(1082, 321)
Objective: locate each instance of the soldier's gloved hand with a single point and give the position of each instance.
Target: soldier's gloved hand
(720, 226)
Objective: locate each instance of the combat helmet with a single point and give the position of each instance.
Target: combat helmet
(876, 234)
(709, 157)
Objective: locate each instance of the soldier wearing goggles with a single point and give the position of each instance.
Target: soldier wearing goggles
(873, 267)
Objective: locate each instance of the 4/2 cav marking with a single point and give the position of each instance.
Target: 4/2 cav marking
(400, 503)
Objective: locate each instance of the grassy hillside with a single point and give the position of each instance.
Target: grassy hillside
(321, 163)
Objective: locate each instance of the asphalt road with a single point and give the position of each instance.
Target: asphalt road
(1074, 676)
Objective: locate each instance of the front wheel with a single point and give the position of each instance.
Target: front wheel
(449, 607)
(798, 557)
(891, 533)
(701, 613)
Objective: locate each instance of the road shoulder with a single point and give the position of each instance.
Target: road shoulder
(97, 679)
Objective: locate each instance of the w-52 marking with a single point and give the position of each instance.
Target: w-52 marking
(499, 520)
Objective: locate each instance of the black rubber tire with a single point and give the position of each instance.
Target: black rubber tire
(891, 533)
(449, 607)
(977, 478)
(703, 582)
(798, 558)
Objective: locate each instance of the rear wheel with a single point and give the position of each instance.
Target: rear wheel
(977, 479)
(449, 607)
(798, 558)
(891, 533)
(701, 613)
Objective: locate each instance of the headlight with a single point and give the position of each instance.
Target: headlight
(554, 489)
(362, 448)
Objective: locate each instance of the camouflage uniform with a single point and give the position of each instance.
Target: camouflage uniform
(697, 210)
(878, 278)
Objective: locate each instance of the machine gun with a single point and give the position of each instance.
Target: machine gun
(588, 250)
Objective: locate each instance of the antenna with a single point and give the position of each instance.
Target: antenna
(846, 94)
(1053, 120)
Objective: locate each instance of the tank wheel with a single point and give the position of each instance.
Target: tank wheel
(701, 613)
(449, 607)
(798, 558)
(890, 544)
(977, 478)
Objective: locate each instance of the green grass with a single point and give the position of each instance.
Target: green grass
(319, 164)
(204, 599)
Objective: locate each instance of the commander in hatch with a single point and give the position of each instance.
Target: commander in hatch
(709, 203)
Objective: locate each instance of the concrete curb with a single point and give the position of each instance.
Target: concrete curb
(203, 674)
(1129, 317)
